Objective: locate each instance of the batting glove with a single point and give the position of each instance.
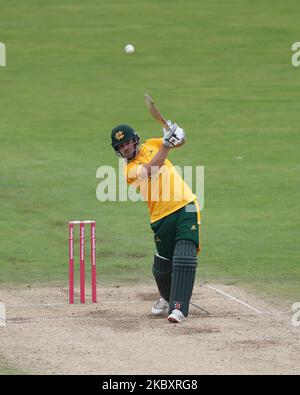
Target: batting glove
(173, 137)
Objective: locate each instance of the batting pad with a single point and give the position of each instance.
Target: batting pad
(183, 277)
(162, 272)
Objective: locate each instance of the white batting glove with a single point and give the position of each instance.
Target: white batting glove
(173, 137)
(165, 131)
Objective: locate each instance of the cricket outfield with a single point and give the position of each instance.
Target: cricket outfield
(223, 72)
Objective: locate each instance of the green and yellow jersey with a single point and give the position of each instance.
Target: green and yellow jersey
(165, 192)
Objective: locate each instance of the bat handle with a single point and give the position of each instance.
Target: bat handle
(166, 125)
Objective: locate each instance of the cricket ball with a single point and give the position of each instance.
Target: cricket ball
(129, 49)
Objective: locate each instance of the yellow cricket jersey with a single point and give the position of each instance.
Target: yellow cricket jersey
(165, 192)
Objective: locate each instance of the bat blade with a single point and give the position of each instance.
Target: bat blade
(155, 112)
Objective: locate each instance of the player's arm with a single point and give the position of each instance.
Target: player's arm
(173, 138)
(156, 162)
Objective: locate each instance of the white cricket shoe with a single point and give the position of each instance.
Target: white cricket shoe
(176, 316)
(161, 306)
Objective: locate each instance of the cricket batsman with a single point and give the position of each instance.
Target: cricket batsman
(174, 214)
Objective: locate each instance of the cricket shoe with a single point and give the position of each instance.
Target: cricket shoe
(176, 316)
(161, 306)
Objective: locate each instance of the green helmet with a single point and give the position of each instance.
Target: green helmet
(122, 133)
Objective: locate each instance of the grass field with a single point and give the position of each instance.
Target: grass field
(222, 70)
(6, 369)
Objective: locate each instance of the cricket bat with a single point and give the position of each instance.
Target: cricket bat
(155, 112)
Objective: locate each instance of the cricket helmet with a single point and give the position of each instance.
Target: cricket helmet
(121, 134)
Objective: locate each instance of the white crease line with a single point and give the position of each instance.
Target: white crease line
(236, 299)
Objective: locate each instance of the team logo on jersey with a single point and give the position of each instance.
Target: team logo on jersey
(193, 227)
(119, 135)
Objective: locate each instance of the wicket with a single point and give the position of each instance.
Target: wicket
(82, 260)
